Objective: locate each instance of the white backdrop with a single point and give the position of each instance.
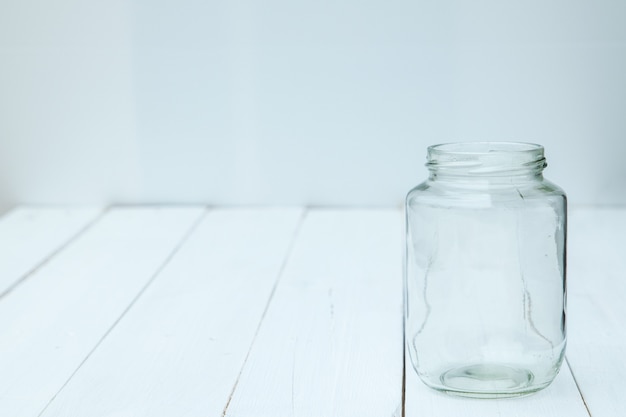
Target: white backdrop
(287, 102)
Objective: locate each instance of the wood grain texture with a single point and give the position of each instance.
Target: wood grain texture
(51, 323)
(29, 236)
(331, 341)
(597, 309)
(179, 350)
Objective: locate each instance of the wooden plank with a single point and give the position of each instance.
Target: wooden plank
(331, 342)
(29, 236)
(181, 347)
(51, 323)
(596, 309)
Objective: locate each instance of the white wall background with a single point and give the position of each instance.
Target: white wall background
(300, 102)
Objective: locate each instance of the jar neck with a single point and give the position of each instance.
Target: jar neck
(486, 162)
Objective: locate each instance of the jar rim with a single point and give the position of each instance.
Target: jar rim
(484, 148)
(486, 159)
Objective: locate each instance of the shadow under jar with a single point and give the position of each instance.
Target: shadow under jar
(485, 271)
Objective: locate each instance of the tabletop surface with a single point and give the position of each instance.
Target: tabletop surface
(196, 311)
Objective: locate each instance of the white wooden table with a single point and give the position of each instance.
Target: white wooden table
(189, 311)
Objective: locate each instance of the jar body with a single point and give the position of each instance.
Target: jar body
(485, 282)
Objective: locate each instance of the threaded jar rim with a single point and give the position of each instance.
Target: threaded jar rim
(486, 158)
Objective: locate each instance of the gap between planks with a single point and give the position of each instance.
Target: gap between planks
(292, 243)
(582, 397)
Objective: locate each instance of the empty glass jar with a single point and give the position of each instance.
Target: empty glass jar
(485, 271)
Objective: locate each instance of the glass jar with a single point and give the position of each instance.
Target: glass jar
(485, 271)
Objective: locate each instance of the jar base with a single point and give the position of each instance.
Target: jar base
(487, 380)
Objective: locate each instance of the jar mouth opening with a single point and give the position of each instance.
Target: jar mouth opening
(484, 148)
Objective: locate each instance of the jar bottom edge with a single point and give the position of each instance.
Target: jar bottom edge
(487, 380)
